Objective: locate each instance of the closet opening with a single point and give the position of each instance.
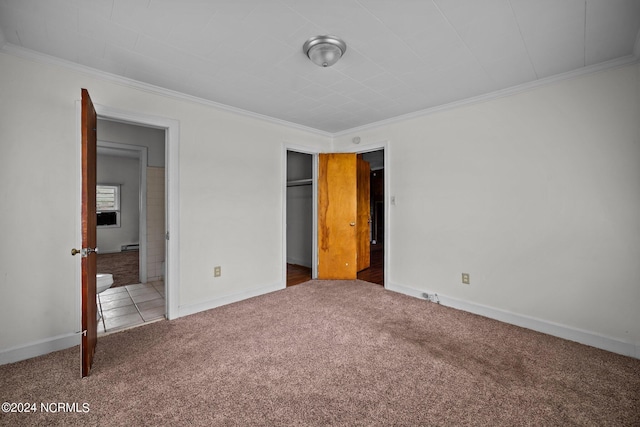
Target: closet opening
(299, 217)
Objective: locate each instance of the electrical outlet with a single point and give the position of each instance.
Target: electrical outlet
(217, 271)
(465, 279)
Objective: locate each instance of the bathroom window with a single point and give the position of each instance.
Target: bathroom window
(108, 205)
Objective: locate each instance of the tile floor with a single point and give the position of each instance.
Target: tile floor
(130, 305)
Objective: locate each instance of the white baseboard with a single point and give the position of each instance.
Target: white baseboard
(61, 342)
(186, 310)
(299, 261)
(38, 348)
(561, 331)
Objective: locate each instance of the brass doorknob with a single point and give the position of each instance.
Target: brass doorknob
(353, 224)
(84, 251)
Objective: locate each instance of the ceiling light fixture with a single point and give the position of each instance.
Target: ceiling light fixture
(324, 51)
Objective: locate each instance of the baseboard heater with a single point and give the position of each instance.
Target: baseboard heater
(131, 247)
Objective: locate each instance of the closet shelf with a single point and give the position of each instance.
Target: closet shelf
(299, 182)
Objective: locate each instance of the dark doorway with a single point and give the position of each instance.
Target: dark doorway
(375, 273)
(299, 217)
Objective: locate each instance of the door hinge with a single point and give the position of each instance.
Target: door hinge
(166, 236)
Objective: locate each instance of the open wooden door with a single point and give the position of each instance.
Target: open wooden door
(343, 216)
(337, 187)
(89, 219)
(363, 225)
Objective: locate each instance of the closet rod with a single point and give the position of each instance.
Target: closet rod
(299, 182)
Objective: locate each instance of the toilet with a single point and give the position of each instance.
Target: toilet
(103, 282)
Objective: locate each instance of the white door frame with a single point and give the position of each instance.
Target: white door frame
(172, 194)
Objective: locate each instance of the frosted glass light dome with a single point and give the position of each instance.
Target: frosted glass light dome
(324, 51)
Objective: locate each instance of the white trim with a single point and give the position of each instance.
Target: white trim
(38, 348)
(172, 222)
(172, 193)
(187, 310)
(21, 52)
(613, 345)
(314, 220)
(142, 243)
(581, 336)
(142, 220)
(283, 178)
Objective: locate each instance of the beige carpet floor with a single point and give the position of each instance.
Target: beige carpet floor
(330, 353)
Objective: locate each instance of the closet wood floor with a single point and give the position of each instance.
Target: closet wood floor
(297, 274)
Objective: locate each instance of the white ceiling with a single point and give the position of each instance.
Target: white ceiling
(403, 56)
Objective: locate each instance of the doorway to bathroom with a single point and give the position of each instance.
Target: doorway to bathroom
(131, 224)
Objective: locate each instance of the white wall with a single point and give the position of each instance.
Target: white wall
(535, 195)
(231, 199)
(300, 225)
(125, 172)
(124, 133)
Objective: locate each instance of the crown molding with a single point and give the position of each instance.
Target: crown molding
(616, 63)
(29, 54)
(24, 53)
